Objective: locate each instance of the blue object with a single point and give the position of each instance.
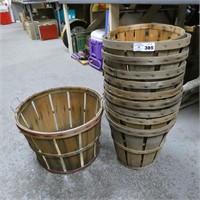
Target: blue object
(71, 14)
(106, 22)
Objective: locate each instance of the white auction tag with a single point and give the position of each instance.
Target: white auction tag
(141, 46)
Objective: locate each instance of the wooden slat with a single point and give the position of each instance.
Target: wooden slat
(169, 28)
(174, 65)
(173, 35)
(54, 163)
(90, 107)
(145, 122)
(68, 145)
(98, 129)
(151, 143)
(169, 59)
(77, 108)
(121, 36)
(143, 95)
(150, 75)
(164, 35)
(116, 52)
(143, 85)
(153, 35)
(21, 121)
(45, 146)
(130, 125)
(61, 106)
(140, 35)
(143, 114)
(88, 137)
(117, 136)
(148, 159)
(88, 155)
(32, 119)
(129, 36)
(72, 162)
(159, 46)
(138, 132)
(59, 154)
(138, 123)
(140, 68)
(134, 143)
(142, 105)
(45, 112)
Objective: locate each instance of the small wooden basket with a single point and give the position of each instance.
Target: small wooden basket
(62, 126)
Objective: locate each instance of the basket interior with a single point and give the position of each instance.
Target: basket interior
(58, 110)
(146, 33)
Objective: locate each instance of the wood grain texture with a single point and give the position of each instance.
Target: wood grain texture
(143, 105)
(141, 95)
(164, 45)
(130, 84)
(150, 75)
(162, 60)
(144, 114)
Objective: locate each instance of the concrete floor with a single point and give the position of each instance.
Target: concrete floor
(28, 67)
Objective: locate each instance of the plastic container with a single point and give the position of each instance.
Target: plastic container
(79, 41)
(5, 18)
(71, 14)
(95, 58)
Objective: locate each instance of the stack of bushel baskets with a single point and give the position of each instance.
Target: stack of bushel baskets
(144, 67)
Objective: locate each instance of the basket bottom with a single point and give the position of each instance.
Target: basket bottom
(74, 170)
(138, 168)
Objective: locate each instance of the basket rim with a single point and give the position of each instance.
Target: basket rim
(170, 44)
(140, 132)
(162, 26)
(64, 133)
(120, 73)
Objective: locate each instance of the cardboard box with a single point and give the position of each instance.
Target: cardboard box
(30, 27)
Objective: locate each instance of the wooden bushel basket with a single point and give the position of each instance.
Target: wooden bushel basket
(62, 126)
(143, 89)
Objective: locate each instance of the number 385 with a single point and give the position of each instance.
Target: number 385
(148, 47)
